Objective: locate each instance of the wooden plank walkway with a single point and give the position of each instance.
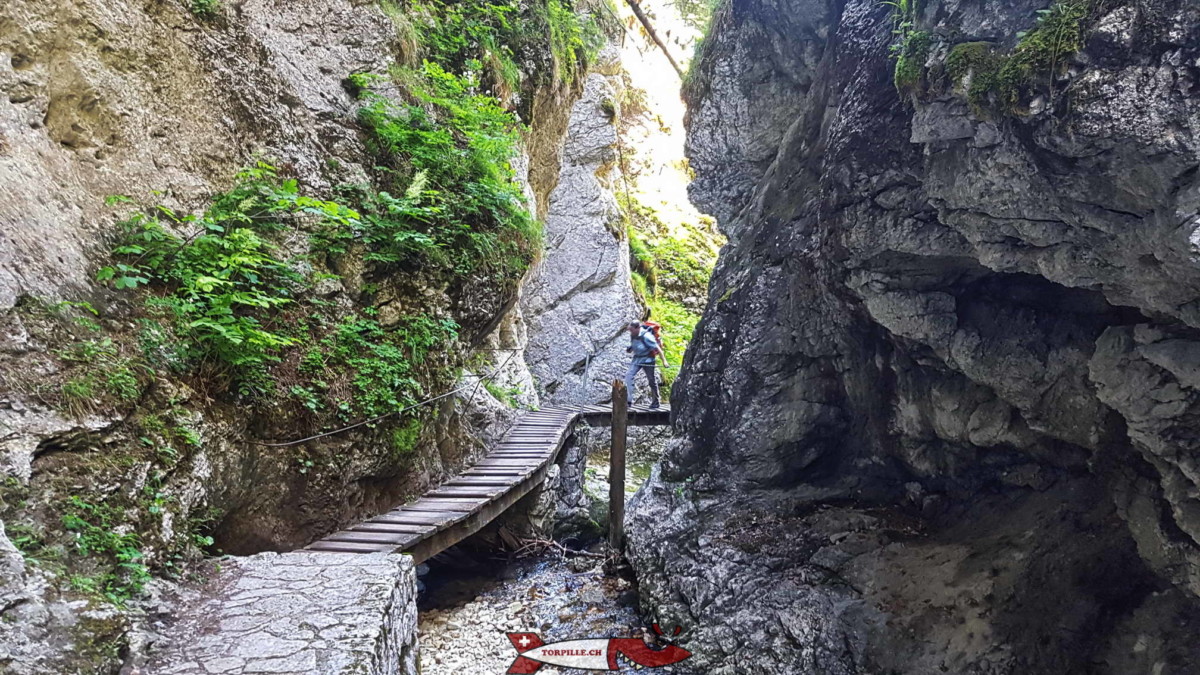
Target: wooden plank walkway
(461, 506)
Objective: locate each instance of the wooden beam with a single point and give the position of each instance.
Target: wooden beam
(616, 469)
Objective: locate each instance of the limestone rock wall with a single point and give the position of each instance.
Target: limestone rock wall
(578, 298)
(121, 97)
(947, 366)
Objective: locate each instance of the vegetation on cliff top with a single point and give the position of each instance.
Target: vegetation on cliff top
(997, 80)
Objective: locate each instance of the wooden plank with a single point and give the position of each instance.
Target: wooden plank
(422, 505)
(439, 542)
(479, 481)
(403, 514)
(394, 539)
(425, 518)
(448, 503)
(349, 547)
(371, 526)
(465, 492)
(467, 502)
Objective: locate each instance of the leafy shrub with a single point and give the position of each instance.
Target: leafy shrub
(381, 363)
(910, 54)
(102, 374)
(1041, 50)
(998, 80)
(205, 9)
(642, 261)
(406, 436)
(572, 42)
(450, 153)
(981, 61)
(509, 396)
(493, 36)
(223, 283)
(96, 536)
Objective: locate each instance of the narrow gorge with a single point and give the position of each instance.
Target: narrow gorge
(928, 282)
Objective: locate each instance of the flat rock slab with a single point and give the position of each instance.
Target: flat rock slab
(297, 613)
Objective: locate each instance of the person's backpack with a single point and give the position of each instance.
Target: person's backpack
(656, 330)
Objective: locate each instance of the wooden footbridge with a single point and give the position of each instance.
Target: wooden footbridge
(460, 507)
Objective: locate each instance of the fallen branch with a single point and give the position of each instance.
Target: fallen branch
(532, 546)
(641, 16)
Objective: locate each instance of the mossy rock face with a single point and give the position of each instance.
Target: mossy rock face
(100, 637)
(910, 62)
(997, 80)
(979, 64)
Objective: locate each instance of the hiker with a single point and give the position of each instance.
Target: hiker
(644, 346)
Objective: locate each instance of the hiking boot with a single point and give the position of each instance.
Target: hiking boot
(654, 406)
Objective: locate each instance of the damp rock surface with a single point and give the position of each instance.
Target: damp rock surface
(300, 612)
(947, 368)
(463, 630)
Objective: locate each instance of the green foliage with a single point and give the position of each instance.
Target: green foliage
(102, 375)
(642, 261)
(205, 9)
(678, 324)
(910, 54)
(684, 265)
(358, 83)
(465, 36)
(381, 364)
(96, 527)
(640, 286)
(492, 37)
(31, 542)
(406, 436)
(572, 42)
(408, 36)
(668, 267)
(697, 13)
(982, 62)
(1041, 50)
(458, 203)
(509, 396)
(675, 265)
(224, 284)
(998, 81)
(910, 46)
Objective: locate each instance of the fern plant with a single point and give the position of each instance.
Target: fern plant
(225, 280)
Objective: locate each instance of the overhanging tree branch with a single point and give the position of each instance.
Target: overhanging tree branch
(641, 16)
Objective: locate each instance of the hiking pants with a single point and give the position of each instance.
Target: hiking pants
(631, 374)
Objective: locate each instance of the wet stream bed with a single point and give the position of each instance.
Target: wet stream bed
(464, 617)
(465, 614)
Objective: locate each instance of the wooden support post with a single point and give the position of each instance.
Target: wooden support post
(616, 469)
